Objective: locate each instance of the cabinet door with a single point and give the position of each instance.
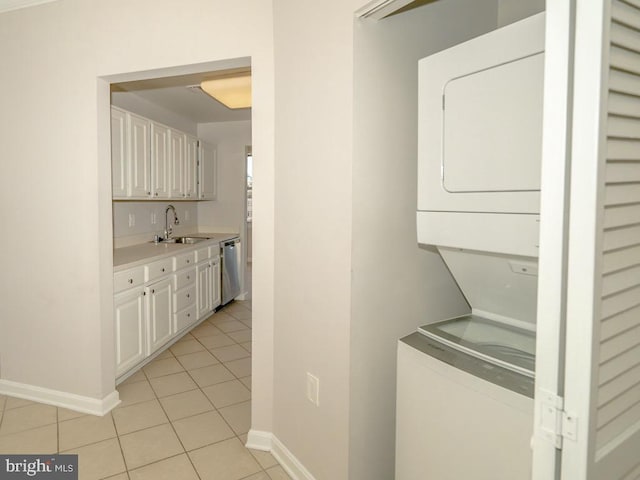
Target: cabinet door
(139, 157)
(216, 297)
(129, 320)
(207, 189)
(159, 161)
(191, 168)
(159, 313)
(177, 159)
(119, 160)
(203, 285)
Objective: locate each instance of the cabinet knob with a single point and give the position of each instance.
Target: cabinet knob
(156, 194)
(148, 193)
(188, 296)
(131, 280)
(188, 277)
(188, 261)
(188, 314)
(153, 291)
(163, 269)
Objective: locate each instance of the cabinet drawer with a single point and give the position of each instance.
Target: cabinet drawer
(184, 318)
(184, 260)
(184, 298)
(133, 277)
(184, 278)
(158, 269)
(202, 254)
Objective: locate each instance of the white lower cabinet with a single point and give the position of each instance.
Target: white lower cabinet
(208, 282)
(216, 293)
(159, 313)
(130, 329)
(185, 298)
(157, 301)
(204, 277)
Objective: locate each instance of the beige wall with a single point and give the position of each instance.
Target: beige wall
(510, 11)
(396, 285)
(56, 283)
(314, 97)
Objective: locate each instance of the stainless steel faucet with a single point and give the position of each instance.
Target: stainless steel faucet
(167, 228)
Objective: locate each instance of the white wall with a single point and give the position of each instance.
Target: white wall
(228, 210)
(144, 213)
(133, 103)
(396, 285)
(56, 313)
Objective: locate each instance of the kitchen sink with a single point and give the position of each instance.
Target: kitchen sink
(186, 240)
(191, 240)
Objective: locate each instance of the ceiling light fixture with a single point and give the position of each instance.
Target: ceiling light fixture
(233, 92)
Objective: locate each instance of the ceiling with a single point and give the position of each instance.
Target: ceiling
(183, 96)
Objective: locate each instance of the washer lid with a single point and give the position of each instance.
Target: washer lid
(505, 345)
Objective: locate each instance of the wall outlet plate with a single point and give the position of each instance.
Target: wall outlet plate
(313, 389)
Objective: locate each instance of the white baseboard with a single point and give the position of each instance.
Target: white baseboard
(57, 398)
(268, 442)
(259, 440)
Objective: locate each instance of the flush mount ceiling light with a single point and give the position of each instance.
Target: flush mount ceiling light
(233, 92)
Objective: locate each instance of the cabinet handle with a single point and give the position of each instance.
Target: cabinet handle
(153, 291)
(131, 280)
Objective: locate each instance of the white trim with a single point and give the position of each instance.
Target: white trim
(554, 208)
(9, 5)
(268, 442)
(289, 462)
(378, 9)
(259, 440)
(57, 398)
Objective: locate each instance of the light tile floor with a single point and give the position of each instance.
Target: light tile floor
(183, 416)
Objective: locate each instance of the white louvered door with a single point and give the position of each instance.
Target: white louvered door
(601, 313)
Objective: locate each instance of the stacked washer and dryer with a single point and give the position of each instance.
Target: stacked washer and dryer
(465, 385)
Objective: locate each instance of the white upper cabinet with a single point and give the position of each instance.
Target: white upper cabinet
(139, 157)
(160, 166)
(130, 155)
(151, 161)
(191, 168)
(119, 160)
(207, 189)
(177, 160)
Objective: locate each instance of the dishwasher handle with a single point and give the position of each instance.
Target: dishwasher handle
(231, 243)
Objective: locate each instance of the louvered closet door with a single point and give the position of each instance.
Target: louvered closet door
(602, 377)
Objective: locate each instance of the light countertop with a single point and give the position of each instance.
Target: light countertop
(141, 253)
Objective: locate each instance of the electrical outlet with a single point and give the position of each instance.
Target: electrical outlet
(154, 218)
(313, 389)
(186, 215)
(132, 220)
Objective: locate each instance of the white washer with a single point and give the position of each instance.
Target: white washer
(460, 417)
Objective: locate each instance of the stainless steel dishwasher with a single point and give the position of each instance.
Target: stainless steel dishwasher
(231, 261)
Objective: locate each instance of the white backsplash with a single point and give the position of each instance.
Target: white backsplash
(140, 221)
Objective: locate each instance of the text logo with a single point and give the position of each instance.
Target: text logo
(50, 467)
